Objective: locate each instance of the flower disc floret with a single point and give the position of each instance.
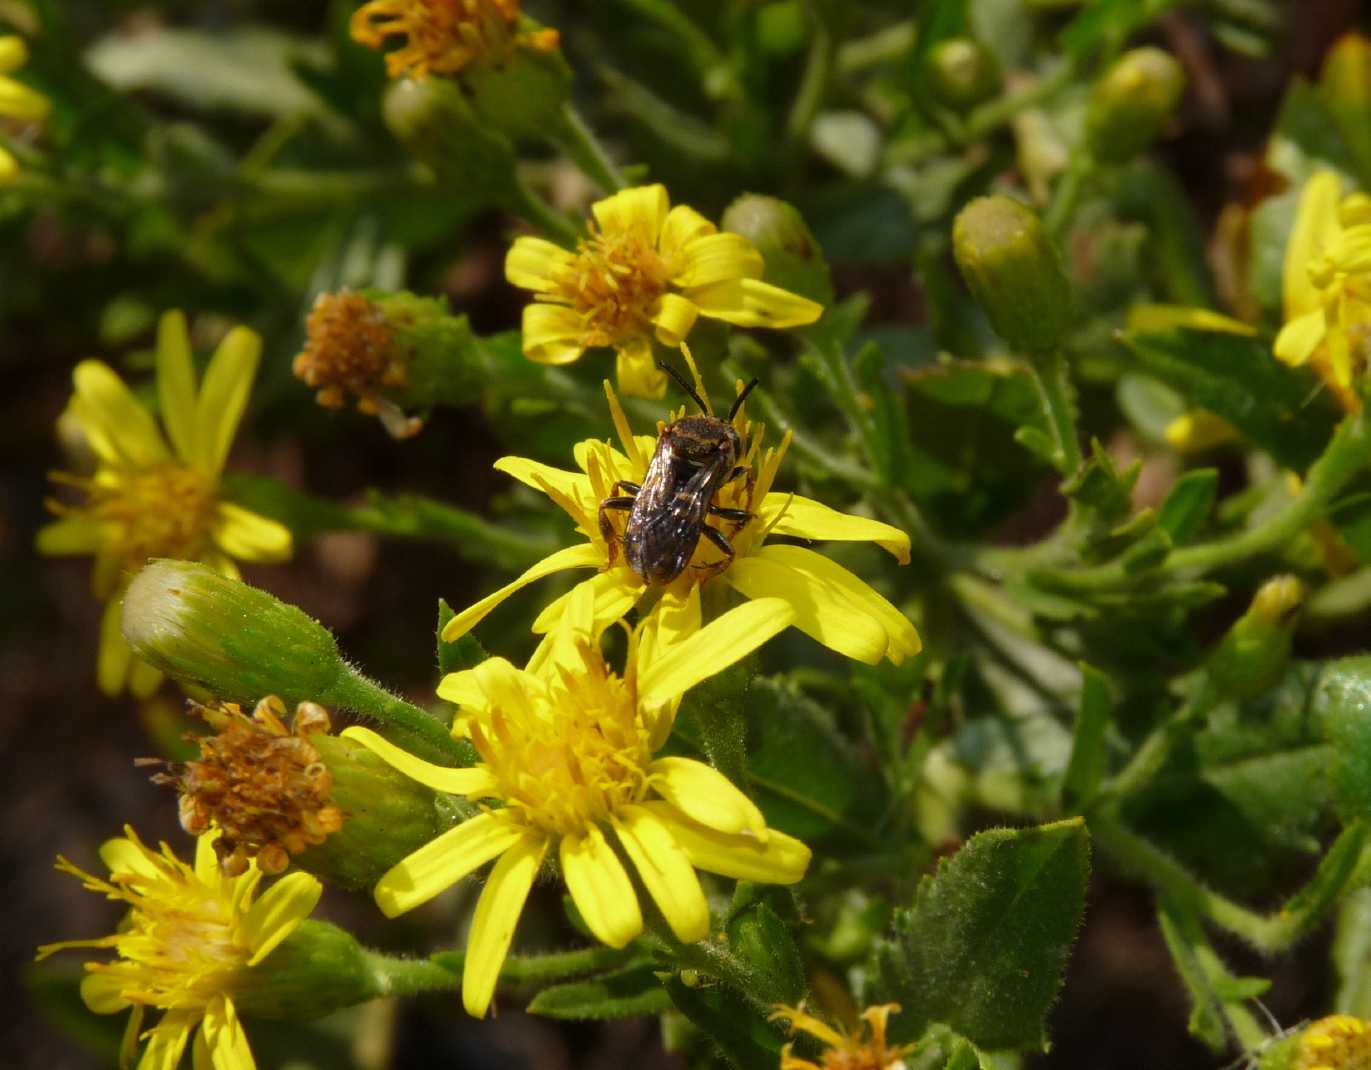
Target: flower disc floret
(646, 270)
(444, 36)
(568, 760)
(1338, 1042)
(865, 1048)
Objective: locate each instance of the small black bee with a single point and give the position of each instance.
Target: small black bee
(695, 456)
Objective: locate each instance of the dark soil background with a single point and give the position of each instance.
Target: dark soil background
(69, 781)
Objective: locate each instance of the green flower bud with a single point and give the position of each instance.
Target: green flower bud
(1013, 271)
(397, 353)
(961, 73)
(759, 937)
(793, 258)
(1253, 654)
(317, 969)
(434, 121)
(1131, 102)
(522, 96)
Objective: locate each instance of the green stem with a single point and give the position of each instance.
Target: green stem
(814, 81)
(1054, 388)
(531, 208)
(580, 143)
(540, 969)
(408, 726)
(883, 46)
(395, 976)
(1067, 195)
(413, 516)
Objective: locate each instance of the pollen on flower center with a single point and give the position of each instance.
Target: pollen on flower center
(574, 762)
(615, 282)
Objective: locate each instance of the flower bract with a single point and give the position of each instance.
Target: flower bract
(154, 494)
(189, 939)
(647, 270)
(568, 763)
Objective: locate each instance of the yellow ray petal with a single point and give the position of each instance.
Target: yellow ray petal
(275, 916)
(123, 855)
(494, 684)
(224, 397)
(718, 258)
(497, 913)
(1316, 224)
(682, 225)
(1157, 317)
(536, 264)
(14, 53)
(706, 796)
(572, 485)
(753, 303)
(475, 782)
(443, 861)
(167, 1040)
(249, 536)
(674, 318)
(666, 872)
(222, 1043)
(103, 993)
(807, 519)
(637, 373)
(114, 657)
(640, 209)
(585, 555)
(144, 679)
(1300, 337)
(600, 888)
(615, 593)
(176, 387)
(18, 101)
(206, 862)
(780, 859)
(70, 536)
(552, 333)
(9, 167)
(113, 418)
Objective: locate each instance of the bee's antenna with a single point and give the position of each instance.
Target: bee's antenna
(738, 401)
(680, 381)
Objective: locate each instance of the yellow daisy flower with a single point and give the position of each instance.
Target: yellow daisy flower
(830, 604)
(567, 755)
(1338, 1042)
(443, 36)
(190, 935)
(150, 497)
(1327, 285)
(647, 270)
(17, 101)
(844, 1051)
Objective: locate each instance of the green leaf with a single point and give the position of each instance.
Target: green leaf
(1101, 487)
(713, 718)
(1352, 954)
(465, 653)
(1342, 702)
(621, 994)
(1211, 986)
(1086, 768)
(746, 1041)
(984, 945)
(1277, 407)
(1187, 505)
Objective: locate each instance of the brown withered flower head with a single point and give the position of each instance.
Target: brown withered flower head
(351, 349)
(262, 783)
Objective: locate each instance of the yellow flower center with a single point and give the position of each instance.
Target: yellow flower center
(615, 282)
(443, 36)
(1339, 1042)
(578, 756)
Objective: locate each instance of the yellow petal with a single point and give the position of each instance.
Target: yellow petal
(249, 536)
(114, 657)
(779, 859)
(14, 53)
(536, 264)
(494, 684)
(674, 318)
(275, 916)
(600, 888)
(1300, 337)
(497, 913)
(640, 210)
(705, 795)
(1316, 224)
(18, 101)
(1351, 250)
(143, 679)
(222, 1041)
(224, 396)
(123, 855)
(167, 1040)
(114, 420)
(1167, 317)
(443, 861)
(666, 872)
(72, 535)
(718, 258)
(753, 303)
(614, 595)
(586, 555)
(571, 487)
(9, 167)
(637, 373)
(103, 993)
(1354, 209)
(682, 225)
(475, 782)
(712, 649)
(822, 611)
(176, 388)
(207, 870)
(552, 333)
(807, 519)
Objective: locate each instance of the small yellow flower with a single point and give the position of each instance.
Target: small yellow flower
(189, 937)
(443, 36)
(152, 498)
(1338, 1042)
(17, 101)
(844, 1051)
(1327, 285)
(1198, 431)
(646, 270)
(567, 757)
(831, 604)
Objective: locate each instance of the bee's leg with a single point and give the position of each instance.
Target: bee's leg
(721, 543)
(741, 470)
(607, 531)
(738, 517)
(624, 485)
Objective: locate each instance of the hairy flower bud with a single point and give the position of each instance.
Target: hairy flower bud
(961, 73)
(793, 259)
(1253, 653)
(316, 970)
(434, 120)
(1131, 102)
(1013, 271)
